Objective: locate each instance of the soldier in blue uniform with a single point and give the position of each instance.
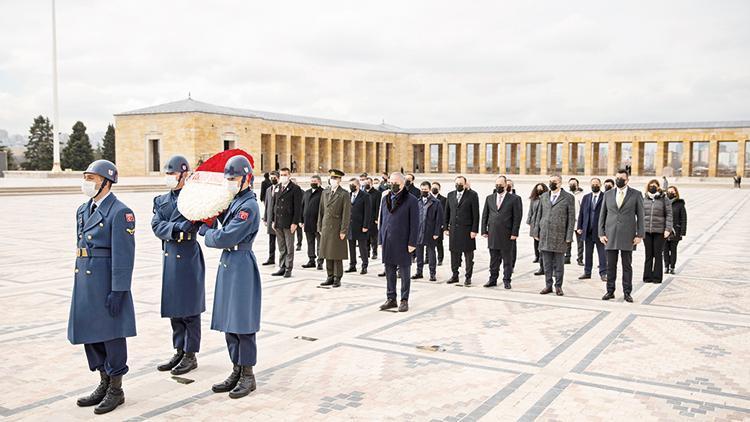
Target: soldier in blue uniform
(101, 310)
(183, 296)
(236, 310)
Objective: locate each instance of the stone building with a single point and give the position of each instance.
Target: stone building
(146, 137)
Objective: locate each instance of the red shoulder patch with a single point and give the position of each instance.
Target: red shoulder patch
(243, 215)
(129, 217)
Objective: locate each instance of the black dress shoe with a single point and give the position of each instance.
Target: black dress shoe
(299, 248)
(490, 284)
(584, 277)
(288, 274)
(114, 397)
(452, 280)
(279, 272)
(381, 274)
(546, 290)
(404, 306)
(440, 262)
(320, 265)
(270, 262)
(540, 272)
(506, 284)
(310, 264)
(328, 282)
(467, 282)
(364, 271)
(656, 281)
(98, 394)
(608, 296)
(647, 281)
(336, 282)
(559, 291)
(604, 278)
(229, 383)
(580, 263)
(351, 270)
(628, 298)
(171, 363)
(433, 278)
(567, 261)
(245, 384)
(187, 364)
(389, 304)
(417, 276)
(535, 261)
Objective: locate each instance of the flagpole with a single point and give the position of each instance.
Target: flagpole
(55, 112)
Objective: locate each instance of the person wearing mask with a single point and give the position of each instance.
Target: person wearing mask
(555, 222)
(509, 188)
(271, 192)
(333, 225)
(384, 186)
(501, 220)
(101, 309)
(298, 232)
(621, 229)
(183, 290)
(577, 193)
(536, 194)
(679, 228)
(359, 225)
(237, 295)
(430, 228)
(264, 186)
(587, 229)
(462, 226)
(376, 184)
(410, 187)
(399, 225)
(310, 207)
(435, 192)
(287, 213)
(657, 219)
(375, 196)
(608, 184)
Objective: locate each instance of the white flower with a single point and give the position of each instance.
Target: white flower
(203, 196)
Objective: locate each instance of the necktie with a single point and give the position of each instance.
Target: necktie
(554, 198)
(93, 207)
(594, 198)
(458, 197)
(500, 200)
(354, 196)
(620, 197)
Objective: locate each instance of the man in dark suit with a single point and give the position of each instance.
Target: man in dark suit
(621, 229)
(271, 192)
(462, 227)
(287, 213)
(410, 187)
(399, 225)
(430, 228)
(264, 186)
(501, 220)
(439, 242)
(359, 225)
(310, 206)
(375, 195)
(588, 230)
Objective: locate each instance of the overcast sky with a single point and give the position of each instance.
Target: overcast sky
(412, 63)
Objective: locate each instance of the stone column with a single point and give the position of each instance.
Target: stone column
(501, 165)
(637, 156)
(461, 157)
(270, 162)
(713, 157)
(588, 158)
(741, 151)
(314, 155)
(660, 156)
(444, 157)
(611, 158)
(687, 157)
(544, 163)
(565, 151)
(482, 161)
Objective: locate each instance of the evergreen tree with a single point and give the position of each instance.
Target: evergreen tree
(39, 148)
(108, 144)
(77, 154)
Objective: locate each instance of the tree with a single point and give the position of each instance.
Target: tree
(77, 154)
(108, 144)
(39, 148)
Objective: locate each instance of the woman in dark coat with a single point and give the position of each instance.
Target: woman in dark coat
(679, 228)
(657, 219)
(538, 190)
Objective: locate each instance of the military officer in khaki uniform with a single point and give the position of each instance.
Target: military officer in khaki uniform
(333, 224)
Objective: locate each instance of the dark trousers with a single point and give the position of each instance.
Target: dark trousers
(440, 250)
(431, 259)
(110, 356)
(588, 259)
(271, 246)
(652, 267)
(186, 333)
(553, 267)
(335, 268)
(298, 233)
(456, 262)
(363, 252)
(242, 348)
(514, 253)
(579, 248)
(670, 253)
(627, 270)
(285, 237)
(390, 278)
(313, 245)
(538, 254)
(372, 242)
(504, 257)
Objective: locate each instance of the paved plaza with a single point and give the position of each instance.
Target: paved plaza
(461, 353)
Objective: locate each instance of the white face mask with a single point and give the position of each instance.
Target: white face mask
(334, 183)
(89, 188)
(170, 181)
(231, 186)
(284, 180)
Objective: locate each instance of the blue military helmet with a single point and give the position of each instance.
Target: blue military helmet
(237, 166)
(177, 164)
(104, 168)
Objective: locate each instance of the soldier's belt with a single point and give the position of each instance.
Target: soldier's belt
(241, 247)
(95, 252)
(183, 237)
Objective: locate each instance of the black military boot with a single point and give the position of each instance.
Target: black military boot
(114, 397)
(99, 392)
(187, 364)
(245, 385)
(310, 263)
(328, 282)
(167, 366)
(229, 383)
(320, 264)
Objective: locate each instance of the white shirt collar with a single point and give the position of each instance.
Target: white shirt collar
(99, 202)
